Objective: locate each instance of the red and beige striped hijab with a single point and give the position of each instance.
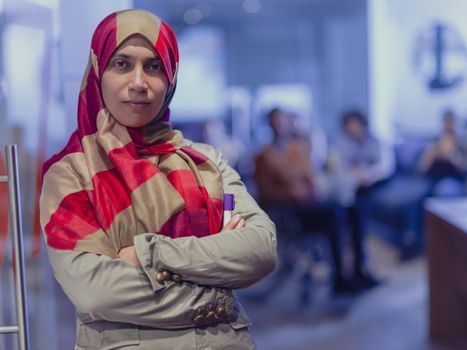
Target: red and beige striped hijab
(110, 182)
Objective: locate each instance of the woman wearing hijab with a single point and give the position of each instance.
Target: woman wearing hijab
(132, 212)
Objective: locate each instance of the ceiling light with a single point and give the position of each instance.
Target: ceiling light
(193, 16)
(251, 6)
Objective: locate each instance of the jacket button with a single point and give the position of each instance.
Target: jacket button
(160, 278)
(166, 275)
(211, 316)
(199, 319)
(221, 311)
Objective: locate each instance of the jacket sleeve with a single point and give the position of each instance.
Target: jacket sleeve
(231, 259)
(102, 288)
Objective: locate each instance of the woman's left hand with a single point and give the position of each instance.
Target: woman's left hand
(236, 222)
(128, 254)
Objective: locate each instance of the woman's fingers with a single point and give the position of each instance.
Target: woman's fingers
(241, 224)
(128, 254)
(233, 223)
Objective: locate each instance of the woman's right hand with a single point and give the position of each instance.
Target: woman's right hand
(235, 222)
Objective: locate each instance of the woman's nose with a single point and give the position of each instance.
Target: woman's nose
(138, 80)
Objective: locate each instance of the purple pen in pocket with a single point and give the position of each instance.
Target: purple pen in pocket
(229, 206)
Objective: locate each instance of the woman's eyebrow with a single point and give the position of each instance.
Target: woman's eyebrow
(154, 59)
(121, 55)
(125, 56)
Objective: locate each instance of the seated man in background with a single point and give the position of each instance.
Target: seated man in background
(286, 183)
(360, 163)
(444, 161)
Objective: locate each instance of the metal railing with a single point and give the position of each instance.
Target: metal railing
(12, 178)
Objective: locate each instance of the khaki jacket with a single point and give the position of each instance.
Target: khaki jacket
(121, 306)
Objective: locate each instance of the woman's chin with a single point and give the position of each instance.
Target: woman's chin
(134, 120)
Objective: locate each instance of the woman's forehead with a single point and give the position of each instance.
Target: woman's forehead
(136, 44)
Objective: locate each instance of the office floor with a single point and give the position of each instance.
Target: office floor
(392, 316)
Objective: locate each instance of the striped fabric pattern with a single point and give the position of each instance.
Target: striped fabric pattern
(111, 182)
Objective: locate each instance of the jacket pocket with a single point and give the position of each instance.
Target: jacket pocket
(105, 335)
(89, 335)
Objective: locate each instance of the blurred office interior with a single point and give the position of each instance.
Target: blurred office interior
(402, 64)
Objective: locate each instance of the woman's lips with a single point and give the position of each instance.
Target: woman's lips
(137, 104)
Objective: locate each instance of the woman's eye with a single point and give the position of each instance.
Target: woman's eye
(120, 64)
(155, 67)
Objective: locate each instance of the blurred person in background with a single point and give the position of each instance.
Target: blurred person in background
(444, 161)
(287, 186)
(360, 163)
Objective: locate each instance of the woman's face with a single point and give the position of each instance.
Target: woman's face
(134, 84)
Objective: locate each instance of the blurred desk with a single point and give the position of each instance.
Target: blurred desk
(446, 228)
